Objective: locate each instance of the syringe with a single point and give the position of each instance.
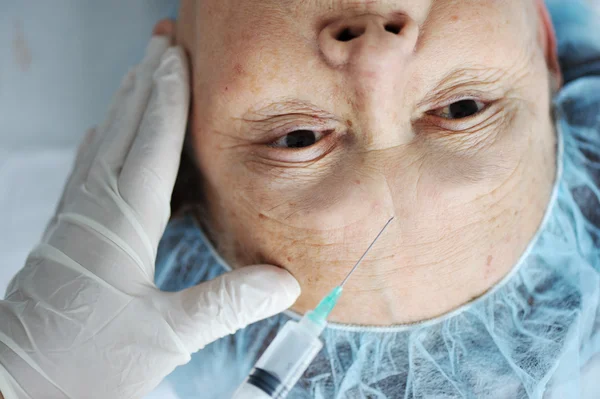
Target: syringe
(294, 348)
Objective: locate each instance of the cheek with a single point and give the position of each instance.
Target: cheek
(333, 201)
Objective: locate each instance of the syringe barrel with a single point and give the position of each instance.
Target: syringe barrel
(249, 391)
(284, 361)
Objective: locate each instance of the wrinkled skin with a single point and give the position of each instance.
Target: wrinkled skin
(467, 193)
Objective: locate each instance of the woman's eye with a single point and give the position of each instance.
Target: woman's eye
(298, 139)
(460, 109)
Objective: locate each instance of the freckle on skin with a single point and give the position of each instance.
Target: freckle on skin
(289, 258)
(261, 216)
(454, 18)
(349, 123)
(357, 182)
(489, 260)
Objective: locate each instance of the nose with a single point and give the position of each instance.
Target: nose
(368, 42)
(370, 55)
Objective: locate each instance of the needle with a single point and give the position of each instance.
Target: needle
(320, 314)
(366, 252)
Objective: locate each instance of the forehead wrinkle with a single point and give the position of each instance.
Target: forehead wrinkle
(513, 76)
(339, 5)
(522, 73)
(463, 74)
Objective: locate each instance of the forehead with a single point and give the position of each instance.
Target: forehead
(288, 24)
(489, 38)
(257, 49)
(420, 10)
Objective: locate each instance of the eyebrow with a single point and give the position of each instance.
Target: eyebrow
(471, 76)
(284, 106)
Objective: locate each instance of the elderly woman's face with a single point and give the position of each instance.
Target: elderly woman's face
(316, 121)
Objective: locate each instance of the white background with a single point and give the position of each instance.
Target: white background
(60, 62)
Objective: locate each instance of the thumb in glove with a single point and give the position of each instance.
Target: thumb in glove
(202, 314)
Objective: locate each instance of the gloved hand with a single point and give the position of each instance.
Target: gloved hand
(83, 318)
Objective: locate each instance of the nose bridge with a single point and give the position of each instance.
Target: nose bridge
(374, 47)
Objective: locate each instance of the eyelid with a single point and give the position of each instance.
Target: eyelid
(480, 82)
(283, 130)
(301, 155)
(473, 89)
(485, 106)
(269, 131)
(453, 98)
(461, 125)
(320, 134)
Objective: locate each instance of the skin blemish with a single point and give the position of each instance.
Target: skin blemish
(238, 69)
(488, 266)
(357, 182)
(289, 259)
(261, 216)
(349, 123)
(454, 18)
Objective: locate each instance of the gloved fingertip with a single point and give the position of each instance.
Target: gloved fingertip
(173, 53)
(289, 285)
(156, 48)
(267, 281)
(173, 61)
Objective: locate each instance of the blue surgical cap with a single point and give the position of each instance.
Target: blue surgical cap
(529, 336)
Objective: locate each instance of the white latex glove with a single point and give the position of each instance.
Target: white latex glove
(83, 318)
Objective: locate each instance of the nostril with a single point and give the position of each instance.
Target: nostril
(393, 28)
(348, 34)
(345, 35)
